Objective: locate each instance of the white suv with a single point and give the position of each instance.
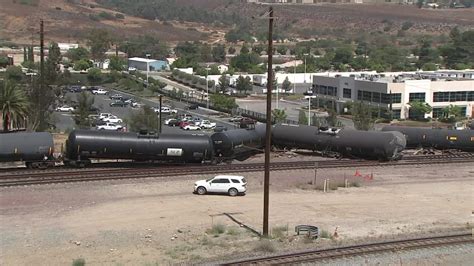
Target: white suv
(230, 184)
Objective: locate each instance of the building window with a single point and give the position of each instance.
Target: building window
(396, 97)
(359, 95)
(470, 96)
(396, 114)
(438, 112)
(376, 97)
(441, 97)
(366, 96)
(418, 96)
(347, 93)
(453, 96)
(385, 98)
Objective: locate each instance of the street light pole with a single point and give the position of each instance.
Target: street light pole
(147, 68)
(309, 111)
(207, 88)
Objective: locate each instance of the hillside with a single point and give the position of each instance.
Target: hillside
(69, 21)
(208, 20)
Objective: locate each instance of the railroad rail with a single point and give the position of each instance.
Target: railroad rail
(96, 174)
(358, 250)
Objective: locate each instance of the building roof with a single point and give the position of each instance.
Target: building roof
(143, 60)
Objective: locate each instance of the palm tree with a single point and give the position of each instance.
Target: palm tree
(279, 115)
(13, 104)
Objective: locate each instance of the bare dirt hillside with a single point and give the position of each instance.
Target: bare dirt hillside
(65, 21)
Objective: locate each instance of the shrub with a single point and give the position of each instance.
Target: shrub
(79, 262)
(279, 231)
(265, 245)
(119, 16)
(324, 234)
(216, 229)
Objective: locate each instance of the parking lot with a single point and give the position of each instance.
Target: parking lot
(64, 120)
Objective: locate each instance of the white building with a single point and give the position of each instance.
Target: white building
(399, 89)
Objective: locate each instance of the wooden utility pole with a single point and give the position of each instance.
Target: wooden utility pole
(266, 181)
(41, 115)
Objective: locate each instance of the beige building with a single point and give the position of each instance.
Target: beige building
(398, 90)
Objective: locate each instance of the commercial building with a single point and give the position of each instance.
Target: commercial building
(152, 64)
(439, 89)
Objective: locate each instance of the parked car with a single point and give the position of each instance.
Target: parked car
(247, 121)
(235, 118)
(193, 106)
(65, 108)
(97, 122)
(191, 127)
(109, 126)
(229, 184)
(195, 120)
(104, 115)
(173, 122)
(112, 119)
(182, 124)
(75, 89)
(99, 91)
(116, 97)
(118, 104)
(207, 124)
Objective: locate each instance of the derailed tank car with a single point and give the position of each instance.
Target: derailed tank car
(340, 142)
(419, 137)
(33, 148)
(83, 145)
(238, 144)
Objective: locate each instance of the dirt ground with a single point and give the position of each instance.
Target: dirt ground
(150, 221)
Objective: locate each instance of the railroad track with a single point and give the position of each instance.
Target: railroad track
(97, 174)
(358, 250)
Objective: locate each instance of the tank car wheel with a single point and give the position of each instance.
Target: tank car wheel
(201, 190)
(29, 165)
(233, 192)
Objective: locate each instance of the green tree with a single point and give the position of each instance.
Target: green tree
(419, 109)
(76, 54)
(231, 50)
(332, 118)
(362, 116)
(218, 53)
(222, 101)
(452, 113)
(286, 85)
(248, 85)
(302, 118)
(240, 84)
(51, 66)
(13, 103)
(99, 41)
(244, 49)
(83, 110)
(223, 83)
(94, 75)
(82, 64)
(144, 119)
(117, 63)
(343, 55)
(14, 73)
(278, 115)
(3, 61)
(426, 54)
(244, 62)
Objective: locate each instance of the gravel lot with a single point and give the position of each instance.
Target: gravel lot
(160, 221)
